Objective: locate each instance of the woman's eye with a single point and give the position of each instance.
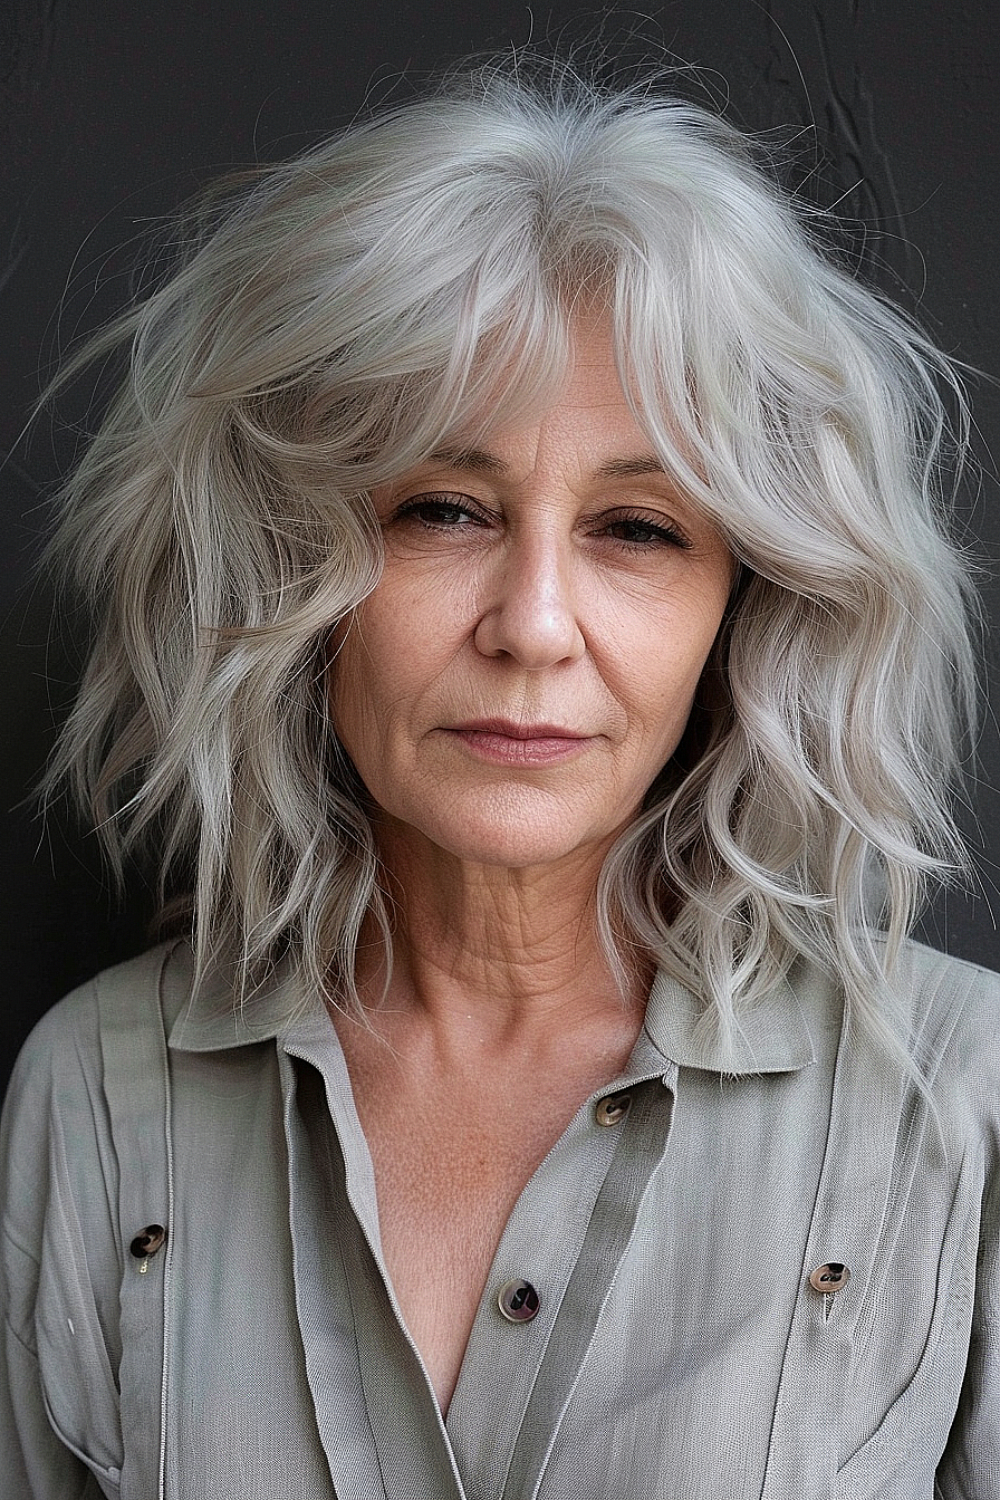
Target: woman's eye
(441, 511)
(637, 531)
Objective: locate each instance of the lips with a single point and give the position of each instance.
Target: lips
(510, 730)
(505, 743)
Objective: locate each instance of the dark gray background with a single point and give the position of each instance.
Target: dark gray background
(112, 113)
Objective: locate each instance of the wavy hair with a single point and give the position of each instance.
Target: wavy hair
(327, 324)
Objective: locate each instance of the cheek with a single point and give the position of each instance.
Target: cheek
(664, 659)
(662, 699)
(379, 664)
(352, 687)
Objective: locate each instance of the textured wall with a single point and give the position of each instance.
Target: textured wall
(111, 114)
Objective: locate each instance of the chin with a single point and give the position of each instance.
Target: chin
(525, 854)
(521, 843)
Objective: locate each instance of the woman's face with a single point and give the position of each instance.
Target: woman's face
(527, 663)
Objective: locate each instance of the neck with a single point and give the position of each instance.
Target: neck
(507, 952)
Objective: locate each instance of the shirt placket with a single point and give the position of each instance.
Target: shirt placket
(566, 1238)
(376, 1414)
(551, 1274)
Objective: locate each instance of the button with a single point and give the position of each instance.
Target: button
(148, 1241)
(613, 1109)
(518, 1301)
(831, 1277)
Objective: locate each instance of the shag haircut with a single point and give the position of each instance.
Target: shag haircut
(333, 320)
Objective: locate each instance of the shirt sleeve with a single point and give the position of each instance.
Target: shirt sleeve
(59, 1429)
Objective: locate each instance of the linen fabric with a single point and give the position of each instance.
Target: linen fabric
(679, 1349)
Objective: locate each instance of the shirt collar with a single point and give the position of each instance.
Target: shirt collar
(773, 1037)
(204, 1019)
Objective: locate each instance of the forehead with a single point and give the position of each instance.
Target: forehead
(585, 412)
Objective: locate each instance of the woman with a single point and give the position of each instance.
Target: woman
(528, 633)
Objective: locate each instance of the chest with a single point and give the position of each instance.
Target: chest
(450, 1164)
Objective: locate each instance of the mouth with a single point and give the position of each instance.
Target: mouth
(519, 731)
(507, 743)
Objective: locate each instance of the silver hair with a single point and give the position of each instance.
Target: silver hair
(329, 323)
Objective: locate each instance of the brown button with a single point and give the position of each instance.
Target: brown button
(518, 1301)
(831, 1277)
(613, 1109)
(148, 1241)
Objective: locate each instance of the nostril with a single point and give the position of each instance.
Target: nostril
(534, 631)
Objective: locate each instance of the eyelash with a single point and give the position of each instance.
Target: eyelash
(656, 533)
(457, 505)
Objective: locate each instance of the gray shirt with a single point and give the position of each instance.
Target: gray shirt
(686, 1343)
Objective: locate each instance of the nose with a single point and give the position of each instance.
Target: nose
(530, 613)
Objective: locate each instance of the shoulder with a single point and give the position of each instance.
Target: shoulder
(929, 970)
(59, 1154)
(948, 1001)
(56, 1089)
(68, 1036)
(952, 1010)
(944, 1012)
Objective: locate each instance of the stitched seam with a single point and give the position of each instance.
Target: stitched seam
(29, 1351)
(21, 1249)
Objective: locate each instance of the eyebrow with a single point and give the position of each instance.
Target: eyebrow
(633, 467)
(479, 461)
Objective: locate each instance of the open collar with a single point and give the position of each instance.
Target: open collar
(773, 1037)
(205, 1019)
